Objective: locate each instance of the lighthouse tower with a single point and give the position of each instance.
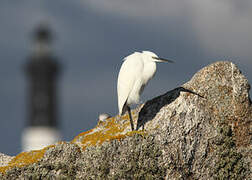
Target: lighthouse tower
(42, 71)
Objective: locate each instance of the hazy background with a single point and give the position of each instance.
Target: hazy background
(93, 36)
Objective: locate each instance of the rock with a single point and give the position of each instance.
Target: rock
(201, 130)
(103, 117)
(4, 159)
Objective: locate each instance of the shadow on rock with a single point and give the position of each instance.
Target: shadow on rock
(152, 107)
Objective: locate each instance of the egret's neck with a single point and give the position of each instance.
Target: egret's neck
(149, 71)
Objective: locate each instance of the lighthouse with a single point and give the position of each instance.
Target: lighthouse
(42, 70)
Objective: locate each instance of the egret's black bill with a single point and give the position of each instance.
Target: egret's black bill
(163, 60)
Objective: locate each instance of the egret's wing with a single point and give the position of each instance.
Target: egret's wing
(130, 71)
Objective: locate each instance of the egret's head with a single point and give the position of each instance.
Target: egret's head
(153, 57)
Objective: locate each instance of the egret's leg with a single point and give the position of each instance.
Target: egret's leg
(131, 120)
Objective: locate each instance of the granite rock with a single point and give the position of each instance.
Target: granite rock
(201, 130)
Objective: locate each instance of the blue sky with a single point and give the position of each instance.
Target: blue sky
(92, 38)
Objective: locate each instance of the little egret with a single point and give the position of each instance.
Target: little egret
(136, 71)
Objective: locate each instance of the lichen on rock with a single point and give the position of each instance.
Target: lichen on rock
(201, 130)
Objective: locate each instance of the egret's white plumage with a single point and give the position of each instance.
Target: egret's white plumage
(136, 71)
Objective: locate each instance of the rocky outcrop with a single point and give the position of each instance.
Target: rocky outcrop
(201, 130)
(4, 159)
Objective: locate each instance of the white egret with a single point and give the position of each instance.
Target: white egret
(136, 71)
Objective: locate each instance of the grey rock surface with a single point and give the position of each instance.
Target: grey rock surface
(201, 130)
(4, 159)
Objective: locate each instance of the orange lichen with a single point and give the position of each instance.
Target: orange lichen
(110, 130)
(105, 131)
(140, 132)
(25, 158)
(80, 135)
